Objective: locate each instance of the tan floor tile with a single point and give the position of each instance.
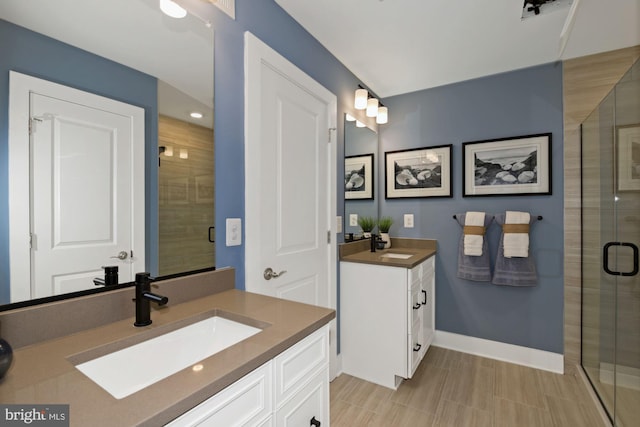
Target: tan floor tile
(565, 386)
(509, 414)
(471, 386)
(344, 414)
(442, 357)
(364, 394)
(519, 384)
(396, 415)
(565, 412)
(423, 391)
(452, 414)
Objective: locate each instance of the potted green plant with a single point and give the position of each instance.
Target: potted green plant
(367, 224)
(384, 224)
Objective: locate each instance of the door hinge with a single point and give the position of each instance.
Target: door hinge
(329, 134)
(329, 236)
(32, 127)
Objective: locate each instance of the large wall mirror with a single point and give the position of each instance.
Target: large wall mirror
(362, 189)
(130, 52)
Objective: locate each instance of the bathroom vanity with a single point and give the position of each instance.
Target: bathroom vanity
(387, 301)
(278, 376)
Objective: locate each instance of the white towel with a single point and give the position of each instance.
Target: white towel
(516, 244)
(473, 242)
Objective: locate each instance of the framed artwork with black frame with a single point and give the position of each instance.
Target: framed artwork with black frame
(358, 177)
(513, 166)
(419, 172)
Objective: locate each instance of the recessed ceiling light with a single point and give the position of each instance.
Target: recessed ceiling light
(196, 115)
(172, 9)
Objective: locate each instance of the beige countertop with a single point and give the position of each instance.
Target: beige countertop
(360, 252)
(43, 373)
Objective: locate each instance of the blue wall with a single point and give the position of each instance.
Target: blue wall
(518, 103)
(31, 53)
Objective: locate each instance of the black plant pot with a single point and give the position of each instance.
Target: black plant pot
(6, 357)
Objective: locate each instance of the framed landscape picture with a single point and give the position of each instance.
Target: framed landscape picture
(508, 166)
(628, 158)
(419, 172)
(358, 177)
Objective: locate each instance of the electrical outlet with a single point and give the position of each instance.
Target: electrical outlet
(408, 220)
(353, 220)
(234, 231)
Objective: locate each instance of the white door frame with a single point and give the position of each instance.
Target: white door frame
(259, 53)
(20, 86)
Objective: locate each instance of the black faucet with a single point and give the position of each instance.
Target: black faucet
(110, 276)
(374, 242)
(143, 299)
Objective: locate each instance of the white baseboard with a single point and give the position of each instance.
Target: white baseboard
(626, 376)
(519, 355)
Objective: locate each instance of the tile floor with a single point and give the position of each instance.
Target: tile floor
(457, 389)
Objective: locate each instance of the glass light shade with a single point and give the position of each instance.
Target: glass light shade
(168, 151)
(361, 99)
(184, 153)
(196, 115)
(383, 115)
(348, 117)
(360, 124)
(372, 107)
(172, 9)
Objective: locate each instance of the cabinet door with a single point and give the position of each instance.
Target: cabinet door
(247, 402)
(309, 406)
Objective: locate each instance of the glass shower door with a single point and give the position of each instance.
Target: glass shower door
(610, 239)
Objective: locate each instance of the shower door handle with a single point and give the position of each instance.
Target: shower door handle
(605, 259)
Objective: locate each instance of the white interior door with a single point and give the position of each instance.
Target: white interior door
(289, 180)
(84, 183)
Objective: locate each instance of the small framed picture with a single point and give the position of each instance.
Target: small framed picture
(358, 177)
(628, 176)
(507, 166)
(419, 172)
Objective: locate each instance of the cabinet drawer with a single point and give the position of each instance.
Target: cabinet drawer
(311, 402)
(300, 362)
(247, 402)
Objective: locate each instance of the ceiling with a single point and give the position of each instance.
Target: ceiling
(401, 46)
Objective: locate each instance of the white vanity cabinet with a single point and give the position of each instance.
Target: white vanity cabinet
(290, 390)
(387, 319)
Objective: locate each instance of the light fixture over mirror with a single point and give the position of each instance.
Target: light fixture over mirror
(364, 100)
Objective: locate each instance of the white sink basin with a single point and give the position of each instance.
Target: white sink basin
(131, 369)
(398, 256)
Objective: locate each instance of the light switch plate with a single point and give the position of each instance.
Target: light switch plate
(353, 220)
(234, 231)
(408, 220)
(339, 224)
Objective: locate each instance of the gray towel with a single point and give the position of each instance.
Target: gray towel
(513, 271)
(476, 268)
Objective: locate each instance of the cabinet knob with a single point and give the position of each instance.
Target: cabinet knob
(314, 422)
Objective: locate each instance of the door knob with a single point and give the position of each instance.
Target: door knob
(121, 255)
(270, 274)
